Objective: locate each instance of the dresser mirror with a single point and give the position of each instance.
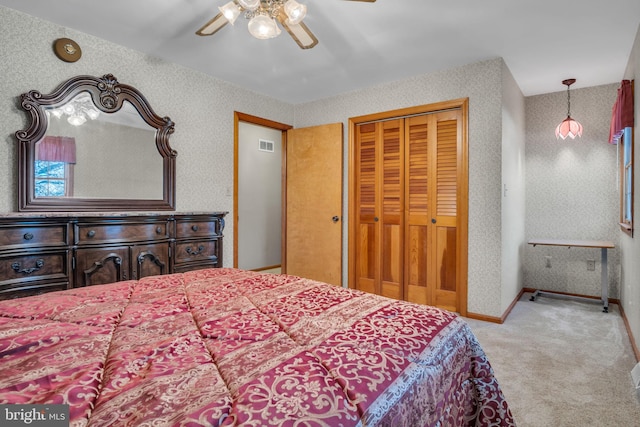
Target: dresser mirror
(94, 145)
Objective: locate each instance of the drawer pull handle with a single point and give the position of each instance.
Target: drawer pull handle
(16, 267)
(91, 233)
(28, 236)
(193, 252)
(194, 227)
(158, 230)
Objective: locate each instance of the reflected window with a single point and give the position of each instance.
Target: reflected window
(53, 179)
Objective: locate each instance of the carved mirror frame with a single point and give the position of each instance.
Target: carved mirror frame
(108, 96)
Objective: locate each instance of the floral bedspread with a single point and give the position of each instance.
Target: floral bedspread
(226, 347)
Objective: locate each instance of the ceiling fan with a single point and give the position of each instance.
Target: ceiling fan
(264, 16)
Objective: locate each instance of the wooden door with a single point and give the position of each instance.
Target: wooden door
(97, 266)
(313, 231)
(380, 200)
(445, 144)
(409, 198)
(433, 141)
(150, 260)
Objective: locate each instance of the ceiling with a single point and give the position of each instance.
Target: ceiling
(362, 44)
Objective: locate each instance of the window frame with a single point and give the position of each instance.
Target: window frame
(67, 179)
(625, 167)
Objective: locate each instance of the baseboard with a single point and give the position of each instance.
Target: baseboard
(494, 319)
(636, 351)
(269, 267)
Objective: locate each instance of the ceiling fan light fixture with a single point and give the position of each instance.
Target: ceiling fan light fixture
(295, 11)
(230, 11)
(263, 27)
(249, 4)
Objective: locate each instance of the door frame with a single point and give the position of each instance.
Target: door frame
(247, 118)
(462, 239)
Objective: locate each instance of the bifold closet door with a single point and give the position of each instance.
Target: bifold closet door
(406, 196)
(431, 195)
(379, 200)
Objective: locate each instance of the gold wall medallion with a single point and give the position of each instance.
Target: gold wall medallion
(67, 50)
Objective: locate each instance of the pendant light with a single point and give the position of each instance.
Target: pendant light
(569, 127)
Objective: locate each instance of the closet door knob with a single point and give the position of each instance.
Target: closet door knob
(336, 218)
(375, 219)
(433, 220)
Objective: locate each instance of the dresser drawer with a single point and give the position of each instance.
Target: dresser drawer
(93, 233)
(197, 251)
(33, 235)
(194, 228)
(34, 266)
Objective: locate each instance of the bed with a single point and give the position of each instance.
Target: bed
(225, 347)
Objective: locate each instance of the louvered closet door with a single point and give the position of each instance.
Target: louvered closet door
(366, 221)
(392, 207)
(407, 196)
(445, 165)
(433, 142)
(417, 214)
(379, 199)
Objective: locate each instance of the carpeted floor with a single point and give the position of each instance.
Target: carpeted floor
(563, 362)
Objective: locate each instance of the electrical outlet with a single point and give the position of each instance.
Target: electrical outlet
(591, 265)
(548, 263)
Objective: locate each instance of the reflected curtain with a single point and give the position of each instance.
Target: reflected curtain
(622, 114)
(57, 149)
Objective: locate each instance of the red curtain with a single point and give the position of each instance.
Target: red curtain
(57, 149)
(622, 114)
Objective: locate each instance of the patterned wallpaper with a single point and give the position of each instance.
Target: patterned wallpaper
(572, 190)
(201, 107)
(481, 82)
(569, 185)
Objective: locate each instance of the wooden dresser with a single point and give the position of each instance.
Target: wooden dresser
(49, 252)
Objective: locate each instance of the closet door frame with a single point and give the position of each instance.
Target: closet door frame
(462, 196)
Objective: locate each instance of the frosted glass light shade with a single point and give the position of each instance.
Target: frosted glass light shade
(249, 4)
(569, 128)
(262, 27)
(295, 11)
(93, 114)
(231, 11)
(77, 119)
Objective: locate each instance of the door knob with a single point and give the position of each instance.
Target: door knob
(433, 220)
(336, 218)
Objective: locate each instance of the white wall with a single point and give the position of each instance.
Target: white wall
(572, 190)
(513, 188)
(259, 197)
(630, 247)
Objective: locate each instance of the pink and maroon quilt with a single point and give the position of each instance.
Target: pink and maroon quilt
(226, 347)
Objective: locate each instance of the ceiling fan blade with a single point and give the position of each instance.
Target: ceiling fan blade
(299, 32)
(213, 26)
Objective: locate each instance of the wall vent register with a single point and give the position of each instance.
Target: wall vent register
(264, 145)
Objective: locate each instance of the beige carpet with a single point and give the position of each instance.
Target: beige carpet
(563, 362)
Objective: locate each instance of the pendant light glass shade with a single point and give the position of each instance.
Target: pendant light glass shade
(569, 128)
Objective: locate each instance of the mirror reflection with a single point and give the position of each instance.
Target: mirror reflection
(87, 153)
(94, 144)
